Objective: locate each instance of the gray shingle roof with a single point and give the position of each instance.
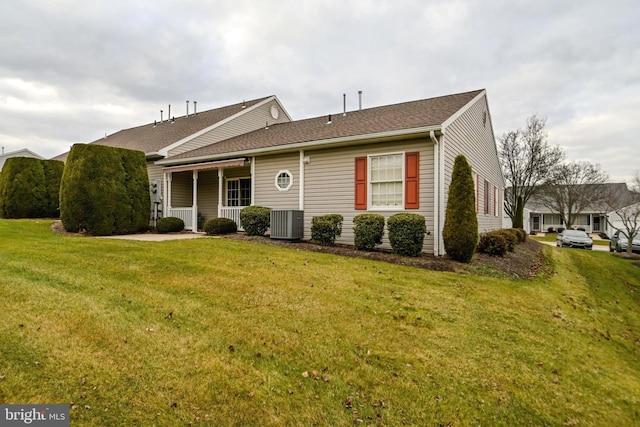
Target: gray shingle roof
(397, 117)
(149, 138)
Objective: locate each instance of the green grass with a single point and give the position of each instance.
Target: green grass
(222, 332)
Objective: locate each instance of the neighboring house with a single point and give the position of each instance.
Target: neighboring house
(385, 160)
(630, 213)
(18, 153)
(593, 219)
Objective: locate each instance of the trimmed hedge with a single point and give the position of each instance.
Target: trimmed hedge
(406, 233)
(368, 231)
(511, 238)
(169, 224)
(220, 226)
(492, 243)
(105, 190)
(520, 233)
(29, 188)
(255, 220)
(326, 229)
(460, 232)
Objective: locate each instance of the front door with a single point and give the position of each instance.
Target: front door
(536, 223)
(596, 223)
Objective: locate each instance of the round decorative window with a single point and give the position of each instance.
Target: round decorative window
(284, 180)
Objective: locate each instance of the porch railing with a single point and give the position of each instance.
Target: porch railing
(185, 214)
(233, 213)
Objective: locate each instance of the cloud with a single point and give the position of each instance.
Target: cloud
(72, 70)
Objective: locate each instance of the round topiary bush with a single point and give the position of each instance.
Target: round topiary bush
(255, 220)
(368, 231)
(406, 233)
(492, 243)
(220, 226)
(169, 224)
(326, 229)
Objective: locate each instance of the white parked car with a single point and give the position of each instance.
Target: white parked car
(574, 239)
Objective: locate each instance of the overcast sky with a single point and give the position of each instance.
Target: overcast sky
(73, 70)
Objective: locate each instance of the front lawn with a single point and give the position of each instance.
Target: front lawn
(222, 332)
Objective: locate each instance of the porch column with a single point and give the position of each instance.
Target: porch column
(220, 193)
(194, 213)
(167, 189)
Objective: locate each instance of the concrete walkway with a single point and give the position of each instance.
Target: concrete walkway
(156, 237)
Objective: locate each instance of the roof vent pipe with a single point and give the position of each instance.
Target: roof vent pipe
(169, 113)
(359, 100)
(161, 116)
(195, 109)
(187, 108)
(329, 120)
(344, 104)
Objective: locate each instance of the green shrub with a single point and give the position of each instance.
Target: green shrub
(368, 231)
(326, 229)
(52, 178)
(255, 220)
(220, 226)
(492, 243)
(510, 237)
(406, 233)
(460, 232)
(169, 224)
(520, 233)
(105, 190)
(23, 190)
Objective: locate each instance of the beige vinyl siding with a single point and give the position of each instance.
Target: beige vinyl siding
(471, 134)
(208, 193)
(265, 191)
(182, 189)
(246, 122)
(330, 185)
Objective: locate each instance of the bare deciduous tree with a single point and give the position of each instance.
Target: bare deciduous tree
(527, 159)
(571, 188)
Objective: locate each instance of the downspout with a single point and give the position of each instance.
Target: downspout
(441, 182)
(301, 182)
(436, 193)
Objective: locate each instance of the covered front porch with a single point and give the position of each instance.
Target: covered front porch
(202, 191)
(590, 222)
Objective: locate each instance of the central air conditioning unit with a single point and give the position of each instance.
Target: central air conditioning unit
(287, 224)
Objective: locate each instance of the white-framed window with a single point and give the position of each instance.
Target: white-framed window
(284, 180)
(238, 191)
(386, 180)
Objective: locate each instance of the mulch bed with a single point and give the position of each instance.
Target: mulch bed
(524, 262)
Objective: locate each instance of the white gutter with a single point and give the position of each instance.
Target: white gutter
(370, 138)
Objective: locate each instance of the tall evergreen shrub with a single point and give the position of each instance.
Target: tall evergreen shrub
(104, 190)
(28, 188)
(52, 178)
(460, 233)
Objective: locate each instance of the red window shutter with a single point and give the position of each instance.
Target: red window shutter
(361, 183)
(412, 180)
